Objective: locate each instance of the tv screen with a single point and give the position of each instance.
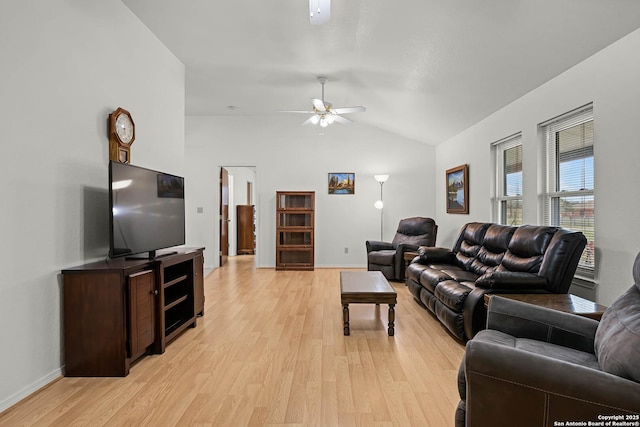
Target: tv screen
(147, 210)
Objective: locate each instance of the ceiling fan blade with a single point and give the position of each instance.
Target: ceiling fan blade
(318, 104)
(340, 119)
(345, 110)
(296, 111)
(312, 120)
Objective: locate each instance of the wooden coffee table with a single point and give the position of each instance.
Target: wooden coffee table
(366, 287)
(568, 303)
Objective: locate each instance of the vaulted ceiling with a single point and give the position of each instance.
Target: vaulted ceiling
(425, 69)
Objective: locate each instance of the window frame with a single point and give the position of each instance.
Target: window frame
(500, 148)
(551, 197)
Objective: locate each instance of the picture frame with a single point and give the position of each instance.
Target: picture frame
(457, 180)
(341, 183)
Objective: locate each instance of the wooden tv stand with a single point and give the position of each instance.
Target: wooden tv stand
(118, 310)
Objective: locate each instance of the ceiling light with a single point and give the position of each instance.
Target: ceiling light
(319, 11)
(323, 122)
(315, 119)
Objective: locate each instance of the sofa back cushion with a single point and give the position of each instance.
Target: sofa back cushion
(469, 242)
(617, 341)
(561, 259)
(495, 244)
(417, 231)
(526, 248)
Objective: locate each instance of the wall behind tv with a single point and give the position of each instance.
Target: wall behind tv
(609, 79)
(288, 156)
(65, 66)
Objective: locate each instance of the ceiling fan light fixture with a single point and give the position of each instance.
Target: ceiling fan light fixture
(322, 9)
(330, 118)
(323, 122)
(315, 119)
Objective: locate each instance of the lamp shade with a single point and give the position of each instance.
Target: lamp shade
(381, 178)
(319, 11)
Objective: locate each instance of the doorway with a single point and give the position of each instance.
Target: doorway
(238, 211)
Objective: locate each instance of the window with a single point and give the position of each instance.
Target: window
(508, 200)
(569, 200)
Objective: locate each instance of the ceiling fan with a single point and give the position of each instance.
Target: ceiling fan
(323, 112)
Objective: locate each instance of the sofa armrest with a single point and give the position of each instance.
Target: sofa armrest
(430, 255)
(504, 383)
(504, 281)
(374, 245)
(523, 320)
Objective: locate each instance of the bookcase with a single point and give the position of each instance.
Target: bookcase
(245, 215)
(295, 224)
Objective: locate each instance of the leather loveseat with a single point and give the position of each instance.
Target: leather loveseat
(492, 258)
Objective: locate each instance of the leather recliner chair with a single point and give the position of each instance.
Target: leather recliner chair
(534, 366)
(389, 257)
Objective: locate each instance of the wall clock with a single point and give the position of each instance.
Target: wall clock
(122, 133)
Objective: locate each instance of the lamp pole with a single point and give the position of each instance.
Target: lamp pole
(379, 204)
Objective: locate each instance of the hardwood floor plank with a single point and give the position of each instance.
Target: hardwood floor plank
(270, 351)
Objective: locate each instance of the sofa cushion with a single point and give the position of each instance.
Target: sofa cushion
(384, 257)
(469, 243)
(617, 341)
(430, 277)
(414, 270)
(495, 244)
(415, 231)
(526, 248)
(452, 294)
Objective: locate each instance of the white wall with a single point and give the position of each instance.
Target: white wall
(609, 79)
(288, 156)
(65, 66)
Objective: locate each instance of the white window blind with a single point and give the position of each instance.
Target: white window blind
(569, 199)
(508, 200)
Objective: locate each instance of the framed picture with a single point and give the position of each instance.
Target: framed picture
(458, 190)
(342, 183)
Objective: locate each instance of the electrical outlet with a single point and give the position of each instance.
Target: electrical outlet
(346, 250)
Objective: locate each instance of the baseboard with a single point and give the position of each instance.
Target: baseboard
(30, 389)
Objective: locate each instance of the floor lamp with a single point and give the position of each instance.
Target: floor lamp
(379, 204)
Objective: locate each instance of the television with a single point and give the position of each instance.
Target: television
(146, 211)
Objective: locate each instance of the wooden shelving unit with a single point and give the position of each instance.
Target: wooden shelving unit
(295, 222)
(116, 311)
(246, 229)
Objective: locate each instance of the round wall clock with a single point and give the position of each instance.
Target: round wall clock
(122, 133)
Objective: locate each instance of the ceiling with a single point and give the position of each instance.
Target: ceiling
(425, 69)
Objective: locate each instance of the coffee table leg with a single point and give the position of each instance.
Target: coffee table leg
(345, 318)
(392, 318)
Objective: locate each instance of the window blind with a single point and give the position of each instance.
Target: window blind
(568, 200)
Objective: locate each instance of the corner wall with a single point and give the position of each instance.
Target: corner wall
(65, 66)
(609, 79)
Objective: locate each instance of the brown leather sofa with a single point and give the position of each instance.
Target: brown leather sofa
(492, 258)
(534, 366)
(388, 257)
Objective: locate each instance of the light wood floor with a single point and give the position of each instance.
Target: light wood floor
(270, 350)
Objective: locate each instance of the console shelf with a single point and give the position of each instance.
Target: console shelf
(118, 310)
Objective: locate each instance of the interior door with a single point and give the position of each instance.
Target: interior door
(224, 216)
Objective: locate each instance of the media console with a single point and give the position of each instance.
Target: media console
(118, 310)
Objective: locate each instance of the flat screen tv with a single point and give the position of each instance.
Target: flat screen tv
(146, 210)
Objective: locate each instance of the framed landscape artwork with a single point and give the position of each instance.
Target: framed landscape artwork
(458, 190)
(342, 183)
